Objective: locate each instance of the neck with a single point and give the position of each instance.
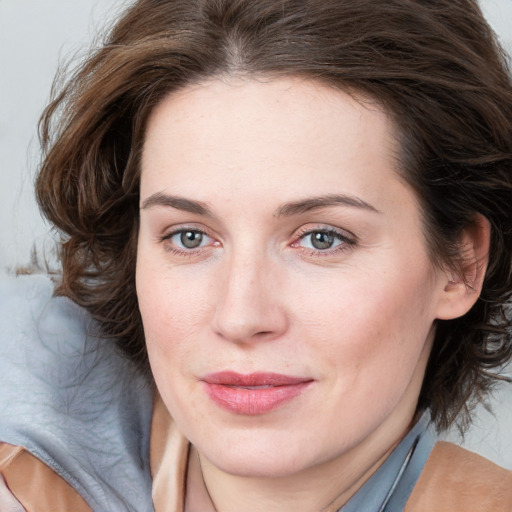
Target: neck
(325, 487)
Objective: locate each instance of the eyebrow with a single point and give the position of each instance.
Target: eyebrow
(286, 210)
(180, 203)
(315, 203)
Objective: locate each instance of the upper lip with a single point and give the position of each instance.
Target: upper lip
(231, 378)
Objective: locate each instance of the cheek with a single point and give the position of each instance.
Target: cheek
(372, 324)
(171, 312)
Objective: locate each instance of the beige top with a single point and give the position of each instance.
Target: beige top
(453, 479)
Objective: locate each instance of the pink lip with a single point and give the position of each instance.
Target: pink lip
(242, 394)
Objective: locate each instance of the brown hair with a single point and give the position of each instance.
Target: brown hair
(434, 65)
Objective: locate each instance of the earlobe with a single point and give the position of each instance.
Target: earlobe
(463, 286)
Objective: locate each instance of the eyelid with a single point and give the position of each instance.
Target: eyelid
(346, 238)
(186, 226)
(175, 230)
(341, 233)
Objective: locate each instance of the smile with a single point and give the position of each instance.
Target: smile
(253, 394)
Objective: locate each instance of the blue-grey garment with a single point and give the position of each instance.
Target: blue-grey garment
(391, 485)
(70, 399)
(77, 405)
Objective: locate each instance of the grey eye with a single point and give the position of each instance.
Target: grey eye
(321, 240)
(191, 239)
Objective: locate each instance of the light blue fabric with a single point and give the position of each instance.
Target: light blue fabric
(71, 399)
(391, 485)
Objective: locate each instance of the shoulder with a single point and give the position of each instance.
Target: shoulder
(20, 296)
(70, 399)
(28, 307)
(456, 479)
(28, 484)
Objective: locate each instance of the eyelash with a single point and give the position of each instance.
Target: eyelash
(345, 241)
(173, 249)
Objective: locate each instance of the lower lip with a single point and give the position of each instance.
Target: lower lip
(252, 402)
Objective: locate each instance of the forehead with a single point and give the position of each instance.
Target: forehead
(289, 131)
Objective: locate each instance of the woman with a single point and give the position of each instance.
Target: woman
(294, 216)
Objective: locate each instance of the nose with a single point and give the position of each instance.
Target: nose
(249, 306)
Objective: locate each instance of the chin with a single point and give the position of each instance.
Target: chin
(259, 467)
(263, 456)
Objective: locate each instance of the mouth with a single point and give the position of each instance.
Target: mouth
(253, 394)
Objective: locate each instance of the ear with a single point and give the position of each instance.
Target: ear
(462, 288)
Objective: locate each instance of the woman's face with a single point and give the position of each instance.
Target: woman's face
(283, 279)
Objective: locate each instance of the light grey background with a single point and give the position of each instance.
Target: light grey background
(35, 36)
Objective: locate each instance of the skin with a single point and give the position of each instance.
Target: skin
(256, 294)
